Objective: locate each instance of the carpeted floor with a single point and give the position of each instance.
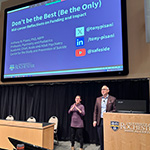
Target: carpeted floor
(65, 145)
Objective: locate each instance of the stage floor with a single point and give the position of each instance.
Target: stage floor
(65, 145)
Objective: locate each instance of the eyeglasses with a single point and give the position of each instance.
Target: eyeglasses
(104, 89)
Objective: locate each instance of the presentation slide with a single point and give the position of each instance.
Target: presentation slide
(64, 37)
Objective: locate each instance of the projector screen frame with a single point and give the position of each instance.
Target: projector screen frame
(70, 76)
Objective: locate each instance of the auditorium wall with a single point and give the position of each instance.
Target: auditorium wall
(138, 49)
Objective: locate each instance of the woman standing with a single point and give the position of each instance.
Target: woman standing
(77, 112)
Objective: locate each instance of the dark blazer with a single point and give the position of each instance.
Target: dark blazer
(110, 107)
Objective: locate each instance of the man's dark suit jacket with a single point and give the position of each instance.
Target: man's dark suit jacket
(110, 107)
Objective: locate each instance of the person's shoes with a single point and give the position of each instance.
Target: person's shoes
(72, 148)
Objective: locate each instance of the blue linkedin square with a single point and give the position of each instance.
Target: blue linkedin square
(79, 41)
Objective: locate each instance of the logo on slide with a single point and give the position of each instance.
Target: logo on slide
(21, 66)
(79, 41)
(114, 125)
(80, 52)
(79, 31)
(12, 67)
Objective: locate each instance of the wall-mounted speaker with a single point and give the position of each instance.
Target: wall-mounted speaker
(147, 19)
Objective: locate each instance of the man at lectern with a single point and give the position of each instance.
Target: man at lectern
(105, 103)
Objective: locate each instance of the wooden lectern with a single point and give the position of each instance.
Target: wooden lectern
(40, 134)
(125, 131)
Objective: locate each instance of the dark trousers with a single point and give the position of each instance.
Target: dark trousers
(79, 133)
(100, 134)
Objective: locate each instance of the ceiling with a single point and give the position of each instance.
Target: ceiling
(0, 3)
